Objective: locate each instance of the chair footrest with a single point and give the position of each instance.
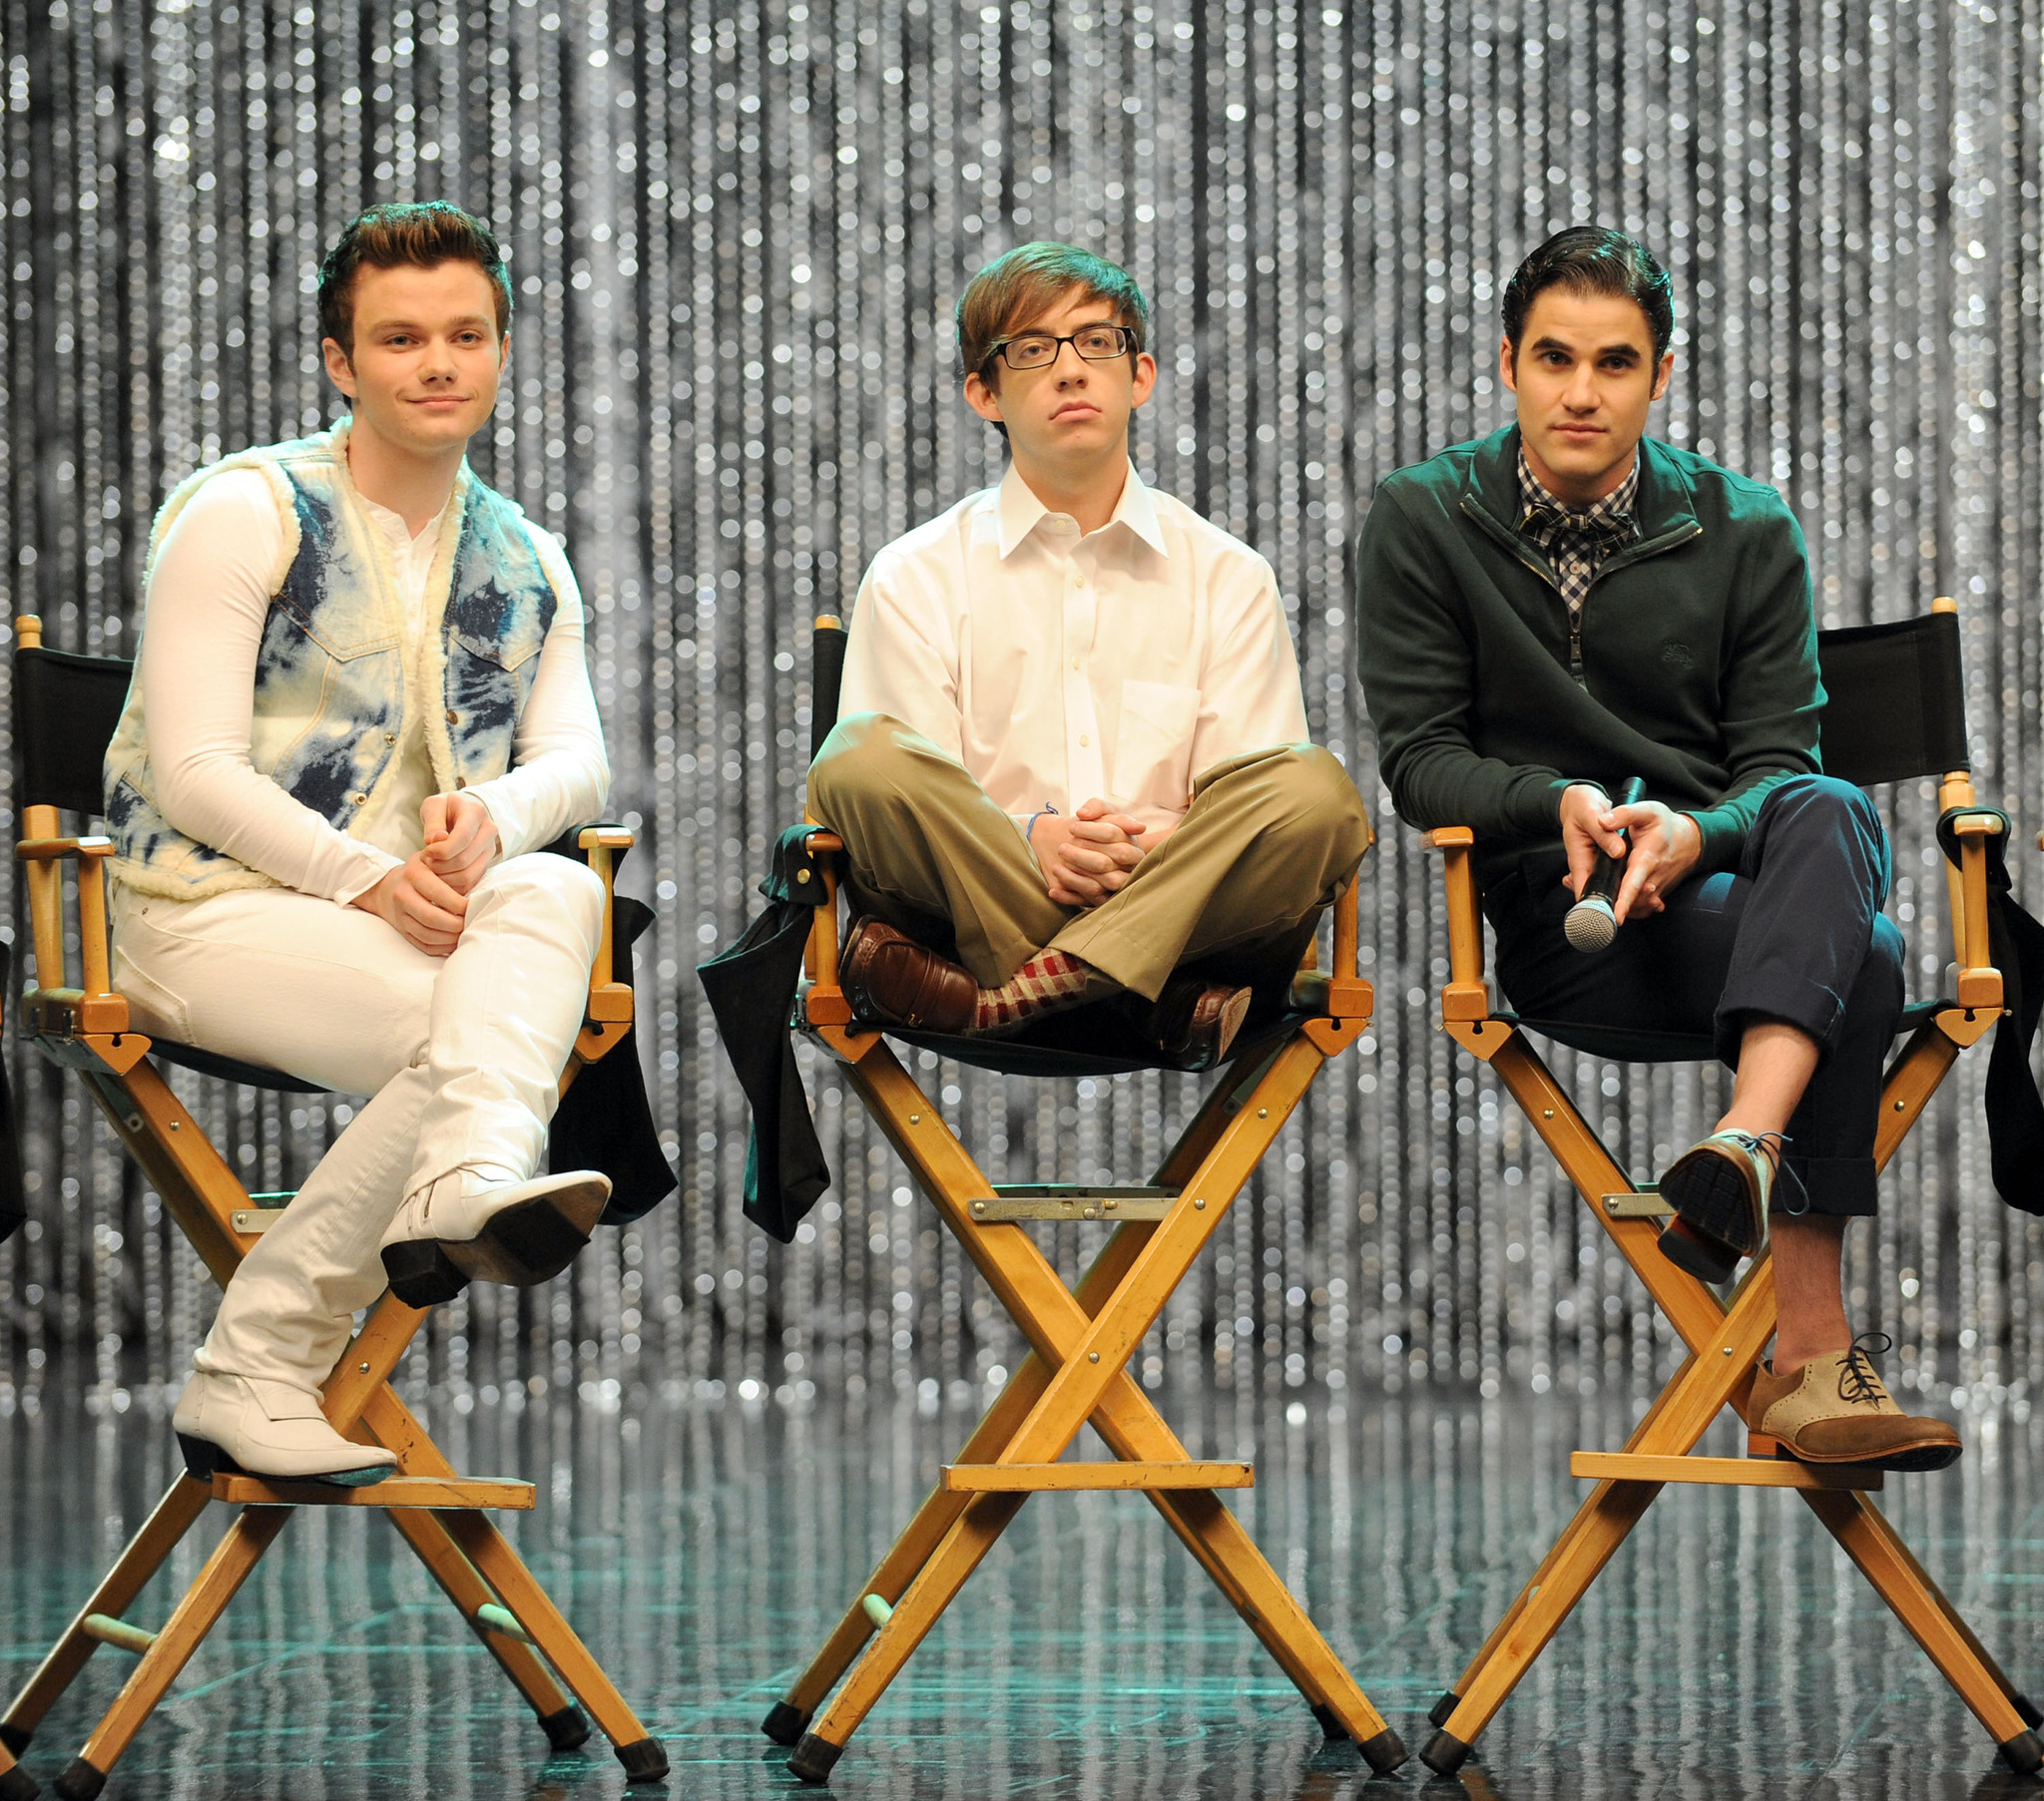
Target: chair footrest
(1637, 1204)
(1029, 1478)
(395, 1491)
(1065, 1201)
(1724, 1472)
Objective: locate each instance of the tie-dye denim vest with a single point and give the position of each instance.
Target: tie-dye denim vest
(336, 674)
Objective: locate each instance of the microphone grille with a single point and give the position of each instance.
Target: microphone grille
(1590, 925)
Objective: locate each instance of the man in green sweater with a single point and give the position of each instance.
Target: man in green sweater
(1566, 604)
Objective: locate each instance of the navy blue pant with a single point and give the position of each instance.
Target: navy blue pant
(1794, 932)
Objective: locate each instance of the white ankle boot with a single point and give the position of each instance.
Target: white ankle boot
(465, 1228)
(266, 1427)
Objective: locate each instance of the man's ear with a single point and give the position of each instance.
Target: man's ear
(339, 370)
(503, 352)
(1143, 383)
(1506, 359)
(1662, 374)
(984, 399)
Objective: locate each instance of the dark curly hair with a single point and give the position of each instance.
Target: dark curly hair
(1593, 259)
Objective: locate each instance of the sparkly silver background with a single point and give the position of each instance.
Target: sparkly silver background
(736, 232)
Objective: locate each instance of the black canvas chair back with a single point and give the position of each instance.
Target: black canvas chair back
(1894, 709)
(66, 708)
(1894, 700)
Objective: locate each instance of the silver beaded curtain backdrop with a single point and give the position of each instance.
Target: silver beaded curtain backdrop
(736, 232)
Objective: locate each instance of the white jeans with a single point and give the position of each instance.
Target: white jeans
(463, 1056)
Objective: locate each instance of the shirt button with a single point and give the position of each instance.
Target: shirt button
(358, 799)
(1075, 662)
(1083, 742)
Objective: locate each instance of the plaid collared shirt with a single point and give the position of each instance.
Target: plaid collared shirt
(1576, 539)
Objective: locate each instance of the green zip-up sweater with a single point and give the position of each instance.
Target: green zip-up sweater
(1699, 651)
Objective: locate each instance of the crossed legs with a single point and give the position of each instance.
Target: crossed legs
(461, 1057)
(1252, 864)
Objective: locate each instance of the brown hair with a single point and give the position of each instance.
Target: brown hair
(1029, 281)
(421, 233)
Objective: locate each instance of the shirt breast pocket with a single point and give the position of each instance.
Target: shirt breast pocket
(1153, 750)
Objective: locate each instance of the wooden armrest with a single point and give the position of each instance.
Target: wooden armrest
(40, 850)
(607, 837)
(1979, 983)
(825, 844)
(1467, 994)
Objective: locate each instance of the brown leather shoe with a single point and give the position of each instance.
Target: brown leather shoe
(890, 978)
(1834, 1410)
(1193, 1023)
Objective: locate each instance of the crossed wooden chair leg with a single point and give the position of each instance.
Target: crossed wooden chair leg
(1725, 1346)
(438, 1513)
(1081, 1342)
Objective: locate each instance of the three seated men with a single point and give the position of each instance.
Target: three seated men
(1071, 760)
(1566, 604)
(1070, 765)
(360, 701)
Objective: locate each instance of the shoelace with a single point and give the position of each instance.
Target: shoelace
(1858, 1380)
(1776, 1144)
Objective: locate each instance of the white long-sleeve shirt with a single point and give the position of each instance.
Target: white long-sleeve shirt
(1057, 667)
(209, 598)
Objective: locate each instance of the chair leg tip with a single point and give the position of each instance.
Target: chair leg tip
(17, 1785)
(785, 1723)
(1444, 1753)
(2024, 1753)
(815, 1758)
(565, 1729)
(1444, 1710)
(81, 1781)
(645, 1760)
(1383, 1753)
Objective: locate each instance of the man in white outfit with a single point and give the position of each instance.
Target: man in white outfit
(359, 709)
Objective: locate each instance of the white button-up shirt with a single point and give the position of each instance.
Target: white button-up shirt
(1057, 667)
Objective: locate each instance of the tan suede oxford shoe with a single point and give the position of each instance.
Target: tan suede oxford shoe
(1835, 1410)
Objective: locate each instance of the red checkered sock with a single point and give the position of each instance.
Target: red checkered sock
(1048, 981)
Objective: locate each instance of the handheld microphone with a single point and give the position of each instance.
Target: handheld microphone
(1592, 923)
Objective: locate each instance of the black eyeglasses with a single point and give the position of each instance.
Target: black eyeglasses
(1038, 349)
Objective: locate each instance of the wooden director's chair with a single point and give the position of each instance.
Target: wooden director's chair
(65, 710)
(1896, 711)
(1081, 1340)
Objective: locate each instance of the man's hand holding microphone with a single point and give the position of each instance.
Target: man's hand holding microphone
(1623, 859)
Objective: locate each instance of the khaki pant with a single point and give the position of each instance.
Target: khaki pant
(1248, 869)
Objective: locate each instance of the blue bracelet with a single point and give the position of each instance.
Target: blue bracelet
(1033, 818)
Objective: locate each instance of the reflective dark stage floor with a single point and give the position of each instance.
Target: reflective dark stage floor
(704, 1546)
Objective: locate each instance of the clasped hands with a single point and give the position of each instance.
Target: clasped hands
(1088, 855)
(1665, 846)
(426, 897)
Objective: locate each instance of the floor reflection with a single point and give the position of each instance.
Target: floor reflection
(704, 1549)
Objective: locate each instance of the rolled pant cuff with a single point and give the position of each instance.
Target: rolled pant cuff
(1810, 1006)
(1840, 1188)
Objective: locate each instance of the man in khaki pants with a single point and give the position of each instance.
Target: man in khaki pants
(1072, 746)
